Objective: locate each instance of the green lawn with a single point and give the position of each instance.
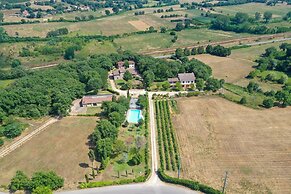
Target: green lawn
(251, 8)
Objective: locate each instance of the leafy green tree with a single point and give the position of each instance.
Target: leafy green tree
(200, 84)
(151, 29)
(136, 159)
(118, 148)
(179, 53)
(13, 129)
(104, 149)
(69, 53)
(149, 77)
(193, 51)
(240, 17)
(42, 190)
(200, 69)
(116, 118)
(213, 84)
(142, 101)
(243, 100)
(20, 182)
(1, 142)
(253, 87)
(267, 16)
(91, 155)
(187, 52)
(200, 50)
(15, 63)
(209, 49)
(105, 129)
(107, 12)
(258, 16)
(47, 179)
(1, 17)
(178, 86)
(179, 26)
(166, 85)
(163, 29)
(127, 76)
(268, 103)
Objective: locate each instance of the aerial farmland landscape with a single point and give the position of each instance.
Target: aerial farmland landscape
(145, 96)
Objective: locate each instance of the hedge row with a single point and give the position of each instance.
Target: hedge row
(162, 165)
(173, 136)
(109, 183)
(194, 185)
(146, 134)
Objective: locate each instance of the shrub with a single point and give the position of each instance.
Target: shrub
(268, 103)
(20, 182)
(47, 179)
(42, 190)
(243, 100)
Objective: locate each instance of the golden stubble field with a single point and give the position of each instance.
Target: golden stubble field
(62, 147)
(254, 146)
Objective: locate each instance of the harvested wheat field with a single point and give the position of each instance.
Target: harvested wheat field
(230, 69)
(254, 146)
(62, 147)
(139, 25)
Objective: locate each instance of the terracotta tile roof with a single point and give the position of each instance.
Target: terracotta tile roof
(174, 79)
(96, 98)
(186, 77)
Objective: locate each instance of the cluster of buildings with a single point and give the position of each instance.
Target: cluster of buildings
(122, 67)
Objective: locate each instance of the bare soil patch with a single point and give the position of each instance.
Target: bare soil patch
(140, 25)
(62, 147)
(216, 135)
(230, 69)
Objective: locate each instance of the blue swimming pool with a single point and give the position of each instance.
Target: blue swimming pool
(134, 115)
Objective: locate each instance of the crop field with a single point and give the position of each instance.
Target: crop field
(62, 147)
(230, 69)
(193, 36)
(117, 24)
(216, 135)
(279, 10)
(168, 148)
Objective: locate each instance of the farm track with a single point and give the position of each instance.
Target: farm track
(8, 149)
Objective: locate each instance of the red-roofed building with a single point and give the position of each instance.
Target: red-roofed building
(95, 100)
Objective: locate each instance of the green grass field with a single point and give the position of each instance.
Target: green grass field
(251, 8)
(144, 42)
(95, 47)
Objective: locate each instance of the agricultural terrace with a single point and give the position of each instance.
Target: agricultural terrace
(279, 10)
(62, 147)
(216, 135)
(168, 147)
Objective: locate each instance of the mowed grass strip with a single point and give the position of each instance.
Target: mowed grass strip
(62, 147)
(216, 135)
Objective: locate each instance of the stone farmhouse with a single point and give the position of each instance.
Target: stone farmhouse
(95, 100)
(186, 79)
